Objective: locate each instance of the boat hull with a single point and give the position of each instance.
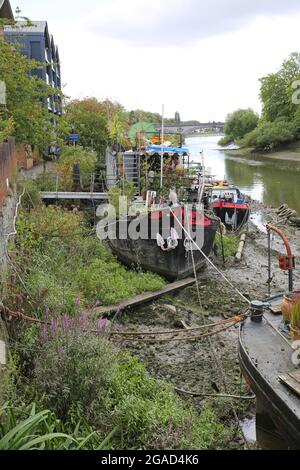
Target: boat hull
(226, 212)
(174, 264)
(263, 357)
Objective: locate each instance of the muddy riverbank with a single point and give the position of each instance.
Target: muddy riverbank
(193, 366)
(290, 152)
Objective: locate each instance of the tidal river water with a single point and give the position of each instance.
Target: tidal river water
(270, 181)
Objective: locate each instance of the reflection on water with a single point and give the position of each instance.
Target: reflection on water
(271, 181)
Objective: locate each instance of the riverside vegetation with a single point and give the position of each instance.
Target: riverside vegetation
(279, 124)
(67, 386)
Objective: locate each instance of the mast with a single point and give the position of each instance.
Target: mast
(201, 188)
(162, 149)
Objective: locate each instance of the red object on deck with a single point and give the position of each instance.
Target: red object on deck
(195, 217)
(229, 205)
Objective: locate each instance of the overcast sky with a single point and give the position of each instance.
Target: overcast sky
(201, 57)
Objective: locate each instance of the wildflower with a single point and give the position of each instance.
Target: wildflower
(53, 325)
(66, 324)
(102, 324)
(47, 312)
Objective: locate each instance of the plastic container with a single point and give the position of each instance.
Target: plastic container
(287, 304)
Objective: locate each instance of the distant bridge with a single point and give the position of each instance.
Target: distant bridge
(217, 127)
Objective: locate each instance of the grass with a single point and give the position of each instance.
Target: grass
(89, 392)
(295, 315)
(231, 243)
(26, 428)
(94, 395)
(65, 268)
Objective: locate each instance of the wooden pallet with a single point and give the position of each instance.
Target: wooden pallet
(292, 381)
(145, 298)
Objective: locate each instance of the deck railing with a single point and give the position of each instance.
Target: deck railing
(7, 166)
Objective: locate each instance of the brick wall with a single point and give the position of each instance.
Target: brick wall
(7, 167)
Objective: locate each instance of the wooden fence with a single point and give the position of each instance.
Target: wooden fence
(7, 165)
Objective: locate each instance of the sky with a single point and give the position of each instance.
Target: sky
(203, 58)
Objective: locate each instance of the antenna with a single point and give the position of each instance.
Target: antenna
(162, 148)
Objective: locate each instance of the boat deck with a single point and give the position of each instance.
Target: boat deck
(264, 357)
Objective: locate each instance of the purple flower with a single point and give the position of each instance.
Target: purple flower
(53, 325)
(102, 324)
(61, 350)
(78, 301)
(47, 312)
(66, 324)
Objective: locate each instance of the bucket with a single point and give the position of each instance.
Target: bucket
(287, 304)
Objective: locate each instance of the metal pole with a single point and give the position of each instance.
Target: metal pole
(291, 280)
(201, 188)
(162, 149)
(222, 245)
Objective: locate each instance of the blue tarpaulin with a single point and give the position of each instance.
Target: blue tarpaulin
(159, 149)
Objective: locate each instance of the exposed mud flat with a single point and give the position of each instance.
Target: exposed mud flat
(192, 366)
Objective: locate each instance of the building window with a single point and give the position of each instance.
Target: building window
(35, 50)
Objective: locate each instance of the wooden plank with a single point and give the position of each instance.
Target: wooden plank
(295, 375)
(145, 298)
(291, 382)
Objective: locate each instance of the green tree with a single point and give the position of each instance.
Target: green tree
(25, 98)
(269, 135)
(238, 124)
(118, 130)
(88, 119)
(177, 118)
(277, 90)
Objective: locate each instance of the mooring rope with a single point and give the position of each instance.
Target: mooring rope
(209, 261)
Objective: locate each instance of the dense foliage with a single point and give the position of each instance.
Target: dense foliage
(86, 159)
(280, 120)
(25, 95)
(270, 134)
(102, 397)
(65, 267)
(238, 124)
(89, 119)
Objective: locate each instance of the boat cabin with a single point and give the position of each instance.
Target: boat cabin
(226, 194)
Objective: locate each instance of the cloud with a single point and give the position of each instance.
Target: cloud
(173, 23)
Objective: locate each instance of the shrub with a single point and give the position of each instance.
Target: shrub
(64, 268)
(79, 376)
(238, 124)
(86, 159)
(73, 369)
(269, 135)
(230, 244)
